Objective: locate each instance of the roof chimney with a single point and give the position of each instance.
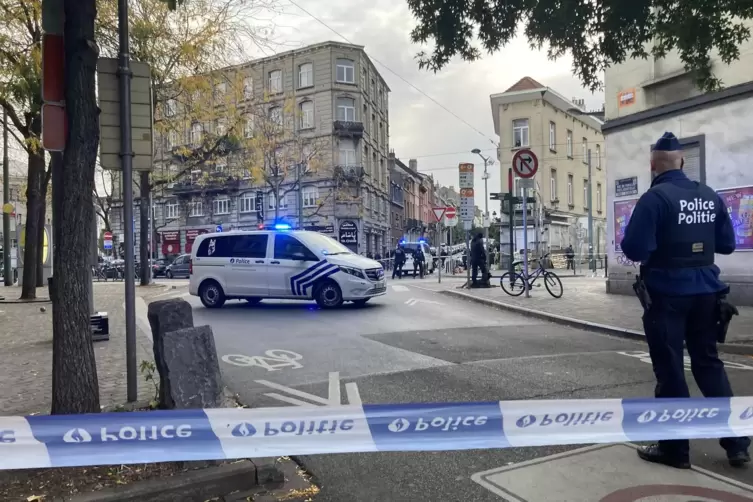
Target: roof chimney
(413, 164)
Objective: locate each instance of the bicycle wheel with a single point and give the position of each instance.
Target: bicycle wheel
(512, 285)
(553, 284)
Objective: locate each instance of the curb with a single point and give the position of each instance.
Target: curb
(200, 484)
(729, 348)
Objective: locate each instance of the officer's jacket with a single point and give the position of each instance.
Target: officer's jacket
(675, 229)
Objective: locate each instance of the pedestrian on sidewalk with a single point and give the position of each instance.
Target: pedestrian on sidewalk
(399, 261)
(570, 256)
(418, 262)
(478, 260)
(674, 231)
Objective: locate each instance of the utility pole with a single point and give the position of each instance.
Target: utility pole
(7, 264)
(126, 159)
(591, 262)
(299, 175)
(486, 222)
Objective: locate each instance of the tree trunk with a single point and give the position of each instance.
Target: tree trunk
(45, 184)
(75, 387)
(33, 204)
(144, 214)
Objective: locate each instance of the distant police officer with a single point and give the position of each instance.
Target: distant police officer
(675, 229)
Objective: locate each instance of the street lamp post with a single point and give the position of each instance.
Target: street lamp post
(485, 177)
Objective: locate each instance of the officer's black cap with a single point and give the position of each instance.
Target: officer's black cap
(668, 143)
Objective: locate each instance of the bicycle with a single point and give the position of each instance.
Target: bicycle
(514, 284)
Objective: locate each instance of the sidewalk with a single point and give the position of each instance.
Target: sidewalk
(26, 353)
(585, 303)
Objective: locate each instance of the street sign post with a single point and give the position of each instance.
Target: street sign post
(439, 212)
(525, 164)
(218, 229)
(107, 239)
(467, 209)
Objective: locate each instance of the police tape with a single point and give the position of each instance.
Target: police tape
(219, 434)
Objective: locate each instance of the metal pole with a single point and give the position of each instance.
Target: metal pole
(93, 262)
(591, 262)
(467, 258)
(441, 238)
(151, 231)
(511, 214)
(525, 241)
(487, 222)
(126, 159)
(7, 263)
(300, 195)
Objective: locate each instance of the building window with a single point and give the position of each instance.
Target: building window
(283, 201)
(248, 88)
(222, 206)
(196, 134)
(598, 156)
(171, 210)
(346, 71)
(171, 108)
(346, 109)
(553, 185)
(248, 128)
(347, 153)
(172, 139)
(520, 133)
(552, 136)
(310, 195)
(585, 193)
(373, 89)
(220, 90)
(307, 115)
(305, 75)
(570, 189)
(598, 197)
(247, 203)
(585, 151)
(275, 115)
(364, 78)
(275, 81)
(570, 144)
(220, 165)
(366, 163)
(365, 117)
(196, 208)
(220, 127)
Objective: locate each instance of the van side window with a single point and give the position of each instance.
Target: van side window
(214, 247)
(250, 246)
(286, 246)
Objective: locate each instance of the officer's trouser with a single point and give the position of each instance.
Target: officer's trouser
(418, 266)
(669, 322)
(397, 269)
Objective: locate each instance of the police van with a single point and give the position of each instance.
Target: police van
(282, 264)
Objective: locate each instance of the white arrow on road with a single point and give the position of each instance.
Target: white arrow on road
(414, 301)
(333, 399)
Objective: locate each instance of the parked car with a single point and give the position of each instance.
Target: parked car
(159, 267)
(180, 267)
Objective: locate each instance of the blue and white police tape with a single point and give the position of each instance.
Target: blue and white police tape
(216, 434)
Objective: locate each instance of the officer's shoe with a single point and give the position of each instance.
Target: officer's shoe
(738, 459)
(654, 454)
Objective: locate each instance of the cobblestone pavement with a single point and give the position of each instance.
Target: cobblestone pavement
(26, 352)
(586, 299)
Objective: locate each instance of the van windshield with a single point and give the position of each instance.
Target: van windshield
(327, 245)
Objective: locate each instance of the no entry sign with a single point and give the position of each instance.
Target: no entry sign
(525, 163)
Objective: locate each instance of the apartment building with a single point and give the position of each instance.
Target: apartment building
(339, 104)
(644, 99)
(533, 116)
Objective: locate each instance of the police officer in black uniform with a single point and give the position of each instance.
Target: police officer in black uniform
(675, 230)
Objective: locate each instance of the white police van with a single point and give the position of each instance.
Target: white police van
(281, 264)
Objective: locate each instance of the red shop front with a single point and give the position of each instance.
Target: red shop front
(170, 243)
(191, 236)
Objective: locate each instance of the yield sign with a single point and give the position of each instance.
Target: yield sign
(439, 212)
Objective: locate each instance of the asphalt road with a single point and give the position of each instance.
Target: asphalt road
(413, 346)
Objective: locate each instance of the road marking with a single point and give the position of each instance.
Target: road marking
(414, 301)
(399, 289)
(645, 357)
(354, 397)
(272, 360)
(171, 292)
(334, 397)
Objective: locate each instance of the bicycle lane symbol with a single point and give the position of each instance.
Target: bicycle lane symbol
(272, 360)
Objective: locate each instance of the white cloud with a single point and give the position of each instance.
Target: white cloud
(419, 128)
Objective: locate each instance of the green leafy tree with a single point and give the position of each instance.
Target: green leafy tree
(597, 34)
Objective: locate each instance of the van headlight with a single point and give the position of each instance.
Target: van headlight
(353, 271)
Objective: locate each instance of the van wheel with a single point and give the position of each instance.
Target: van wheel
(328, 295)
(211, 295)
(253, 300)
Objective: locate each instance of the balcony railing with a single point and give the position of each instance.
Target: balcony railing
(348, 129)
(349, 172)
(216, 182)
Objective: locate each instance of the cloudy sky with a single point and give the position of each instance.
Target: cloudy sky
(420, 128)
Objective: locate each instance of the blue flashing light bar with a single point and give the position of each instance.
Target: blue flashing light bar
(282, 226)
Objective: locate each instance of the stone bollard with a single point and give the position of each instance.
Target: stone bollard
(166, 316)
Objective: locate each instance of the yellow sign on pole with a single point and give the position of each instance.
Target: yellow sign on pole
(8, 208)
(45, 248)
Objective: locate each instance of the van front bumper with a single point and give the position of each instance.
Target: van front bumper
(359, 289)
